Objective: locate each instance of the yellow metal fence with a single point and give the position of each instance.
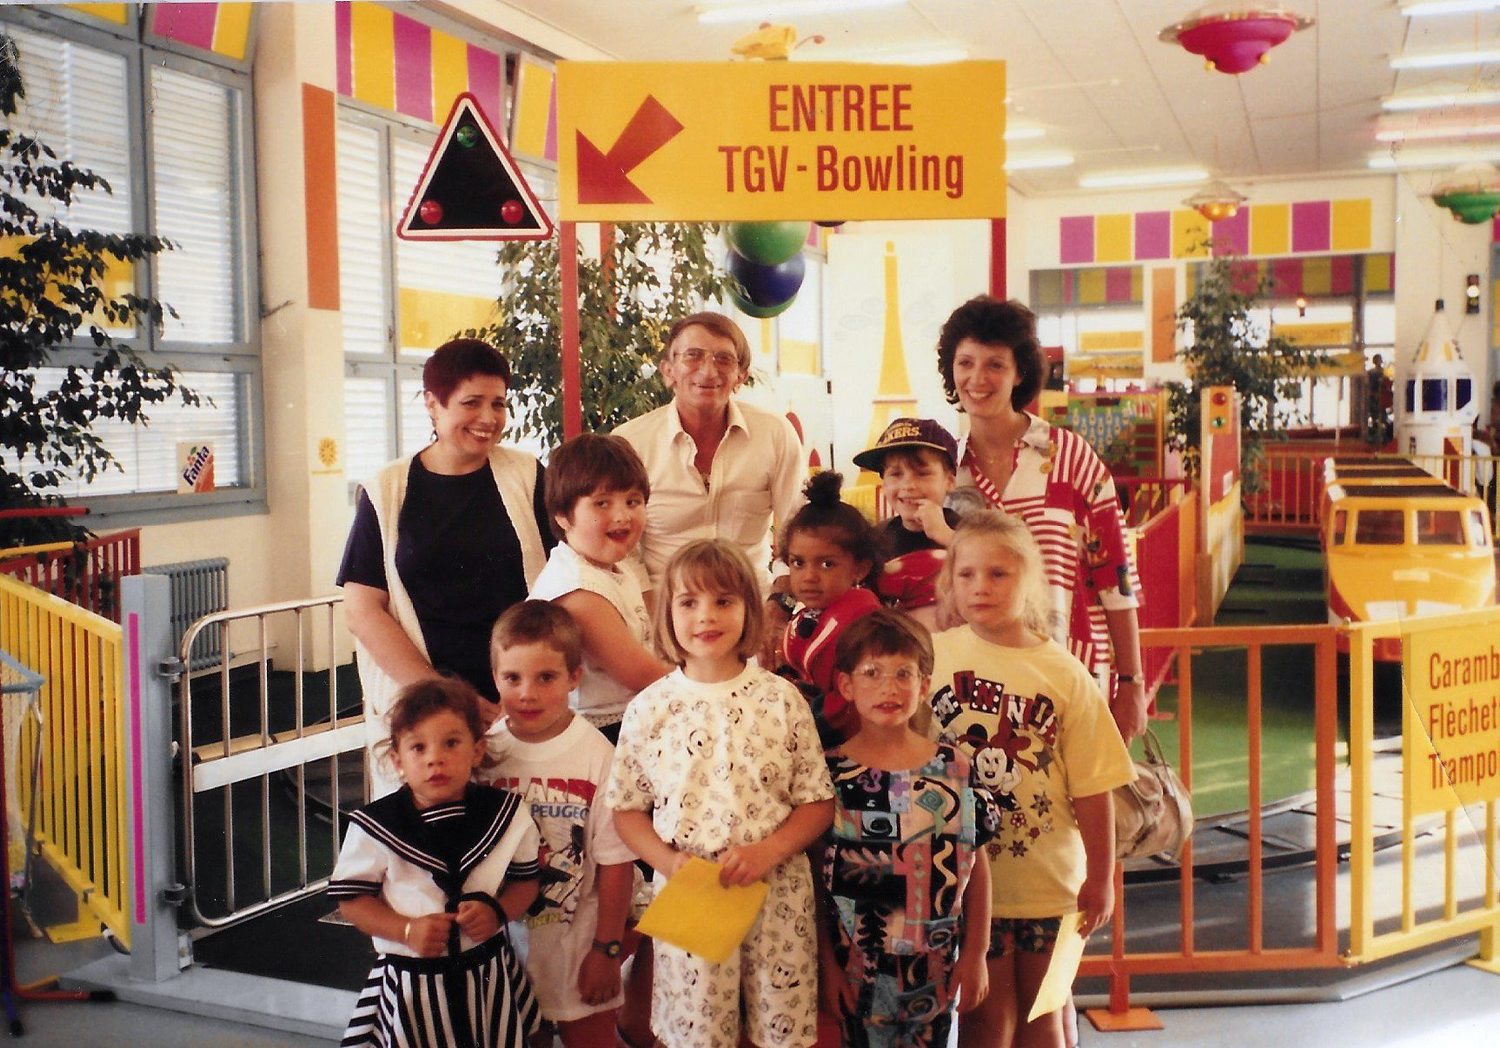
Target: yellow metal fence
(80, 797)
(1442, 884)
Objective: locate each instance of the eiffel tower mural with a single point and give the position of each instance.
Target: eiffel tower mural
(893, 396)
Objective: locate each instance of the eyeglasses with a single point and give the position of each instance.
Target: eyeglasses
(874, 675)
(722, 359)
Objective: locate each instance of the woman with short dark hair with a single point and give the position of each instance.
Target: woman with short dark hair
(992, 367)
(443, 541)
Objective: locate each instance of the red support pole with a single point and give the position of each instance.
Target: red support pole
(997, 258)
(572, 382)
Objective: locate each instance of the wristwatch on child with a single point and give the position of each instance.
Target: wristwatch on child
(610, 949)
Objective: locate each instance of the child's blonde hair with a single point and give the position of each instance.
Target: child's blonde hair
(1013, 536)
(709, 564)
(424, 698)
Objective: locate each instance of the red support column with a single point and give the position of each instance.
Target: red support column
(997, 258)
(572, 382)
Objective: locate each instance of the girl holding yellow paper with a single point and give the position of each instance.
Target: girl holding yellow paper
(1043, 743)
(720, 760)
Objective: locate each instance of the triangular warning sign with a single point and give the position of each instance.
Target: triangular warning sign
(470, 188)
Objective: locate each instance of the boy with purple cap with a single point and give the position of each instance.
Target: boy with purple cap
(917, 462)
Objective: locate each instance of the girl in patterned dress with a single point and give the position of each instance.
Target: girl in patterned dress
(833, 553)
(905, 936)
(720, 759)
(1035, 724)
(432, 873)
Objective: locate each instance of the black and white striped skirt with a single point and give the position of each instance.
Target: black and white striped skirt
(480, 999)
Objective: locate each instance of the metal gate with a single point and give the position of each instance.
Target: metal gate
(269, 761)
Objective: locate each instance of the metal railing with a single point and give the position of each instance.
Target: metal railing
(86, 573)
(1321, 950)
(80, 804)
(1291, 495)
(263, 746)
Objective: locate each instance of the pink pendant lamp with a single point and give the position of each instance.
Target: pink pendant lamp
(1234, 38)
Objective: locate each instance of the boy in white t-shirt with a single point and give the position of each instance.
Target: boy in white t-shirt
(559, 764)
(595, 492)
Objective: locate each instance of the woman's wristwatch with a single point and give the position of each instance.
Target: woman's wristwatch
(1130, 678)
(610, 949)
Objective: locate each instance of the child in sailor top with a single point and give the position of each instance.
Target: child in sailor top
(720, 759)
(559, 763)
(432, 873)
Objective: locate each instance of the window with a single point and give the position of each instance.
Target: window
(171, 135)
(1440, 527)
(1434, 394)
(399, 299)
(1379, 527)
(1479, 535)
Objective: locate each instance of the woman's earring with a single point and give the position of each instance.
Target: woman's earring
(433, 439)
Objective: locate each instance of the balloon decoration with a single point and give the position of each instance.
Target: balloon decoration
(766, 258)
(768, 290)
(769, 243)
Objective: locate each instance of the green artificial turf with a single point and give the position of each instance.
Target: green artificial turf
(1279, 583)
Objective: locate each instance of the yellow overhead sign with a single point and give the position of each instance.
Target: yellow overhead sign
(724, 141)
(1452, 722)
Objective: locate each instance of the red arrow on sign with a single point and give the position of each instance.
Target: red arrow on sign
(603, 178)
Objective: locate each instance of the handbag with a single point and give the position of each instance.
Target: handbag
(1153, 814)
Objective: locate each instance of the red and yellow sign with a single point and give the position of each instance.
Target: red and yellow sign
(689, 141)
(1452, 722)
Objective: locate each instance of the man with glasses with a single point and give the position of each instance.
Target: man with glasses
(719, 468)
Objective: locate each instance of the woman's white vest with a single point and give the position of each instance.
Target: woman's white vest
(515, 477)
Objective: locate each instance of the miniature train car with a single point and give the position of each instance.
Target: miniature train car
(1398, 543)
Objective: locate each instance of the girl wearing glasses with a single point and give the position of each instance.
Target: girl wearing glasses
(904, 940)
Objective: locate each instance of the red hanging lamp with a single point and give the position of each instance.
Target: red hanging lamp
(1236, 37)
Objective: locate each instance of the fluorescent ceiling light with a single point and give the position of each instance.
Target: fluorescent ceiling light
(1438, 59)
(1447, 7)
(1421, 134)
(1162, 177)
(1413, 158)
(1023, 132)
(1037, 161)
(711, 14)
(1439, 100)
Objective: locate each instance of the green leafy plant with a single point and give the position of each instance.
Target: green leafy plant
(653, 274)
(52, 297)
(1227, 348)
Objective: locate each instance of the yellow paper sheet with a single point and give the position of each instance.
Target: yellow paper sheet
(1057, 984)
(695, 913)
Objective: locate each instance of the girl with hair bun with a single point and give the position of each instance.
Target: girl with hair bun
(833, 554)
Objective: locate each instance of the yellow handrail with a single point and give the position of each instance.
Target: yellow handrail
(80, 801)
